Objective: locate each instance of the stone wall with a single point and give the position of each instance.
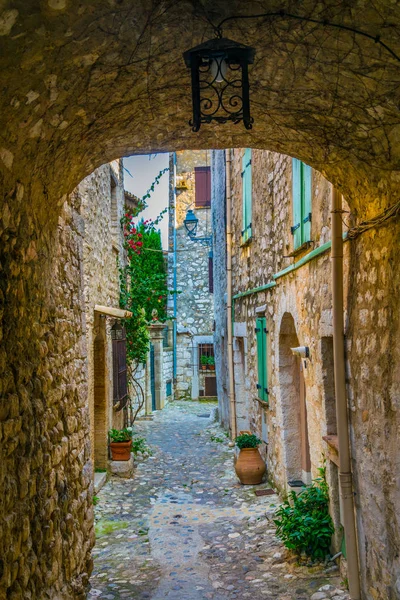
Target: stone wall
(66, 265)
(46, 515)
(194, 302)
(102, 204)
(219, 241)
(299, 312)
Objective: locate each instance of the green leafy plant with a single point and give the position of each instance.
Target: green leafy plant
(204, 360)
(216, 438)
(95, 500)
(120, 435)
(139, 445)
(211, 360)
(303, 522)
(247, 440)
(143, 281)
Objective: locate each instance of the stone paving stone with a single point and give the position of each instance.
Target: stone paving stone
(184, 528)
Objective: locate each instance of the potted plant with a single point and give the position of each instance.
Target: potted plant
(249, 466)
(204, 361)
(211, 363)
(120, 443)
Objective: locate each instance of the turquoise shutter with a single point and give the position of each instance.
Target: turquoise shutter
(296, 203)
(306, 203)
(265, 359)
(262, 370)
(259, 338)
(247, 189)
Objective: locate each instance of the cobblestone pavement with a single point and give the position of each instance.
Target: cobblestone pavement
(185, 529)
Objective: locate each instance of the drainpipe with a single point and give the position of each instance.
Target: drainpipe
(174, 324)
(232, 402)
(345, 477)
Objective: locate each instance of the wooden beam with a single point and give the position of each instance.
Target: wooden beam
(117, 313)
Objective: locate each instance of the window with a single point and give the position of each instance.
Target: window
(301, 182)
(262, 359)
(208, 351)
(120, 379)
(202, 182)
(210, 274)
(246, 193)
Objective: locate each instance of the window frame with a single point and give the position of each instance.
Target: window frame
(301, 203)
(207, 349)
(247, 207)
(261, 332)
(202, 187)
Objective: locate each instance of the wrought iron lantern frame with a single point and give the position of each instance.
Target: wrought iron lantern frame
(190, 223)
(220, 82)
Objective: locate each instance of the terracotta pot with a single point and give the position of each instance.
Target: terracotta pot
(249, 466)
(121, 450)
(211, 367)
(204, 367)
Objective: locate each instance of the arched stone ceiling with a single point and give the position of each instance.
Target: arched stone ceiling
(84, 82)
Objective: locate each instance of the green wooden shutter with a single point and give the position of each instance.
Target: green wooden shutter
(246, 190)
(265, 359)
(262, 358)
(296, 203)
(306, 203)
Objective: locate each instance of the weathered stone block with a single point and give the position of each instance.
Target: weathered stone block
(122, 468)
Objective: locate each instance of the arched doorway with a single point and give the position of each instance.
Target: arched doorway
(293, 406)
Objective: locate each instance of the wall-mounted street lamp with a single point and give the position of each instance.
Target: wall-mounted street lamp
(117, 331)
(220, 82)
(190, 223)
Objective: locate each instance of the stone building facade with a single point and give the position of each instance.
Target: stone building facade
(190, 274)
(102, 200)
(283, 300)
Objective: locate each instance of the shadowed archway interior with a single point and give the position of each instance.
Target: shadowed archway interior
(108, 80)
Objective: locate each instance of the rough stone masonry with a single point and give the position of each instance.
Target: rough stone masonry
(85, 83)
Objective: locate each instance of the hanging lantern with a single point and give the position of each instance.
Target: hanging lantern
(190, 223)
(220, 82)
(117, 331)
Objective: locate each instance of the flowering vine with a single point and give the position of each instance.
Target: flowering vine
(143, 281)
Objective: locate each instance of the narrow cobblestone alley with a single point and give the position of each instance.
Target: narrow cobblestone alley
(185, 529)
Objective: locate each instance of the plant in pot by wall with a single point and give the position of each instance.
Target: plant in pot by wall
(204, 361)
(211, 363)
(249, 466)
(120, 443)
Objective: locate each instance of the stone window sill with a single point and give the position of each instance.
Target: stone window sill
(300, 249)
(264, 403)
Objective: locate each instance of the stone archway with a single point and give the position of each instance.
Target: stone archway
(83, 85)
(293, 405)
